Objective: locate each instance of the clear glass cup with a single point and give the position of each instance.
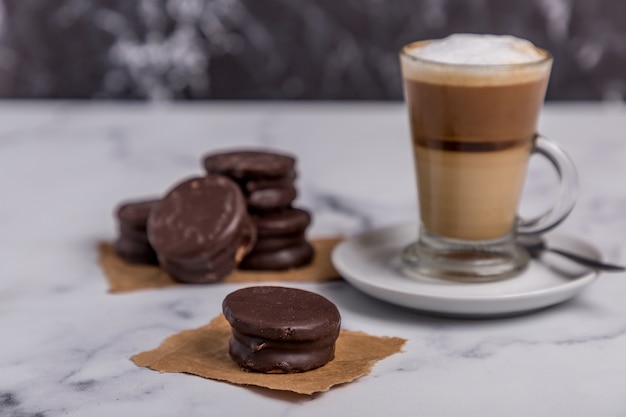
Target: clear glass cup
(474, 128)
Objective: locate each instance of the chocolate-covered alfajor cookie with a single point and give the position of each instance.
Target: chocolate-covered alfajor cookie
(281, 330)
(294, 256)
(271, 199)
(132, 244)
(198, 273)
(134, 214)
(249, 164)
(252, 185)
(276, 243)
(285, 222)
(281, 242)
(135, 251)
(201, 229)
(270, 194)
(266, 178)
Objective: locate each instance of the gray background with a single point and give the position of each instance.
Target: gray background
(284, 49)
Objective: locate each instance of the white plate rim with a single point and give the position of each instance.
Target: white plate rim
(468, 304)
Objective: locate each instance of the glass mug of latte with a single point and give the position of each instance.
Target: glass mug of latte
(473, 103)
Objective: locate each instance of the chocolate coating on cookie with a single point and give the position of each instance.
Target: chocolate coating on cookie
(135, 213)
(281, 313)
(291, 257)
(253, 185)
(269, 356)
(249, 164)
(198, 273)
(281, 223)
(132, 244)
(198, 218)
(279, 329)
(269, 199)
(134, 251)
(276, 243)
(210, 269)
(132, 219)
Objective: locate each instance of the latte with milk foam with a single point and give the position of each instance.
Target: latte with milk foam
(474, 103)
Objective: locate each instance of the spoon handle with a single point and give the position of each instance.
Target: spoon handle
(600, 266)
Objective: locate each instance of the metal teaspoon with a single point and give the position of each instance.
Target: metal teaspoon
(535, 246)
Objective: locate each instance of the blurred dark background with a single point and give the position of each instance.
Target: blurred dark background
(284, 49)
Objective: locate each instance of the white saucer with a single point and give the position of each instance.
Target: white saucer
(371, 262)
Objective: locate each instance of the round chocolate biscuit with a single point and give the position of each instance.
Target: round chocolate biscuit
(284, 222)
(281, 330)
(261, 354)
(134, 214)
(135, 252)
(275, 243)
(253, 185)
(287, 258)
(270, 199)
(281, 313)
(201, 264)
(242, 244)
(196, 273)
(132, 219)
(197, 218)
(249, 164)
(214, 268)
(200, 271)
(137, 233)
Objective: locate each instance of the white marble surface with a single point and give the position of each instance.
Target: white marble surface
(65, 342)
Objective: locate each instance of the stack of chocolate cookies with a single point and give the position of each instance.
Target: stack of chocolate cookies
(132, 244)
(267, 180)
(280, 329)
(201, 229)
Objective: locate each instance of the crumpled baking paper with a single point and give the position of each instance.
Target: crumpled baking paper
(204, 352)
(123, 277)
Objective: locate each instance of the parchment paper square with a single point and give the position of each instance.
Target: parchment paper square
(204, 352)
(123, 277)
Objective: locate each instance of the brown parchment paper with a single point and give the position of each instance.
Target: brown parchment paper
(204, 352)
(123, 277)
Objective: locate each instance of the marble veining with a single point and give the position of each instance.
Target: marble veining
(66, 342)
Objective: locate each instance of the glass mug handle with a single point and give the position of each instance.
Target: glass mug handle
(568, 189)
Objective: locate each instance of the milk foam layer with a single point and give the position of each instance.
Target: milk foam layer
(475, 60)
(471, 49)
